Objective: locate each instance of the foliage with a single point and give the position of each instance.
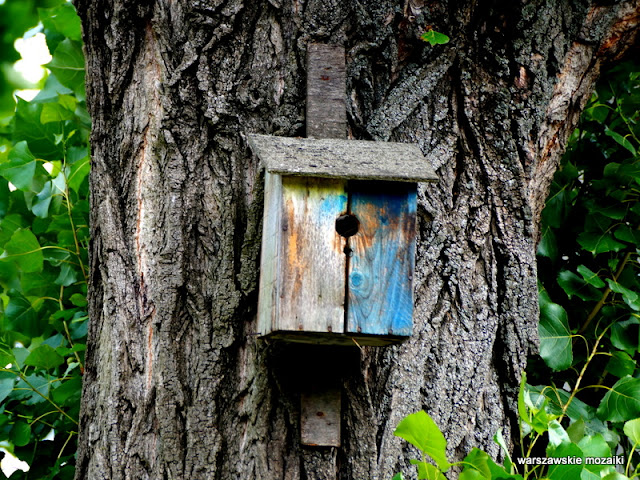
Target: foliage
(434, 38)
(579, 452)
(589, 341)
(43, 254)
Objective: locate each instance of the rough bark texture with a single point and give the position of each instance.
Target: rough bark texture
(176, 385)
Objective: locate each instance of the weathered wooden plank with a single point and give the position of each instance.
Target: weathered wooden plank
(380, 277)
(270, 253)
(326, 90)
(350, 159)
(312, 262)
(320, 417)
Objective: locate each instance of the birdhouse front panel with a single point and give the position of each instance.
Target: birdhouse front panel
(338, 242)
(313, 263)
(380, 278)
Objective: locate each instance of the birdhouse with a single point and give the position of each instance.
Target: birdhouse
(338, 240)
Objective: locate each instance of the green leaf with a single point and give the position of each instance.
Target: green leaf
(470, 473)
(434, 38)
(62, 19)
(632, 430)
(33, 390)
(548, 246)
(595, 446)
(628, 234)
(624, 335)
(69, 390)
(20, 434)
(78, 300)
(499, 439)
(44, 356)
(620, 140)
(40, 137)
(68, 275)
(557, 437)
(597, 113)
(6, 387)
(21, 316)
(622, 402)
(21, 167)
(590, 277)
(599, 242)
(566, 471)
(24, 250)
(427, 471)
(615, 476)
(421, 431)
(398, 476)
(555, 336)
(621, 364)
(54, 112)
(572, 284)
(476, 460)
(68, 65)
(40, 205)
(77, 173)
(630, 297)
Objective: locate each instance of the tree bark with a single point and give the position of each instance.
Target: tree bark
(177, 385)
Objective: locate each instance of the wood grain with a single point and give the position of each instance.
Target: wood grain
(380, 299)
(312, 268)
(353, 159)
(326, 81)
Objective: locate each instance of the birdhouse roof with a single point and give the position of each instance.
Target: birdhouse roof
(352, 159)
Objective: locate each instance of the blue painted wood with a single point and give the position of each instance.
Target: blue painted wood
(380, 271)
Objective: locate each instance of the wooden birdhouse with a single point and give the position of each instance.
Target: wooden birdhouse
(338, 241)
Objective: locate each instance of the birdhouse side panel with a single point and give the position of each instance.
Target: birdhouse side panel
(312, 259)
(380, 277)
(269, 255)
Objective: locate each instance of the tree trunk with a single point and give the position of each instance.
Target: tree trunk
(177, 384)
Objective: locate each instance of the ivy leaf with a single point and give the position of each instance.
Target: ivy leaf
(555, 336)
(622, 402)
(21, 167)
(421, 431)
(434, 38)
(68, 65)
(44, 356)
(24, 250)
